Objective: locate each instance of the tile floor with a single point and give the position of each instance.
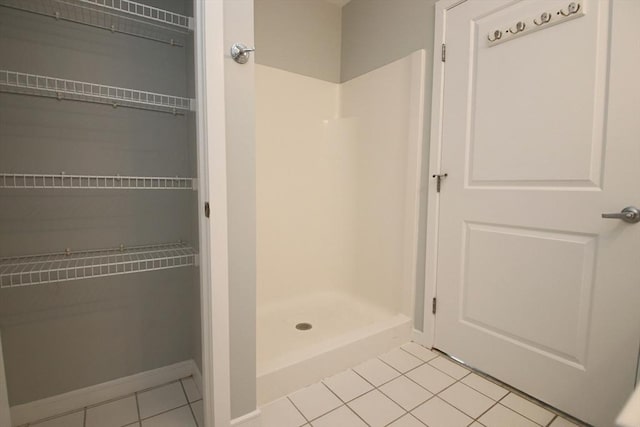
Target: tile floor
(176, 404)
(410, 386)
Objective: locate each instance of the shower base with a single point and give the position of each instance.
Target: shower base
(344, 331)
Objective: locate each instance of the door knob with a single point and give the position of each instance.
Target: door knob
(241, 53)
(629, 214)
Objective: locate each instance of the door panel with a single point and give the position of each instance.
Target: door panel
(503, 290)
(528, 102)
(539, 137)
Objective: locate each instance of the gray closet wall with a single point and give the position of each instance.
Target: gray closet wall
(63, 336)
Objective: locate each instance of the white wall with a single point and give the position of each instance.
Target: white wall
(337, 196)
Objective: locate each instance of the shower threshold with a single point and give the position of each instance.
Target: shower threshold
(345, 330)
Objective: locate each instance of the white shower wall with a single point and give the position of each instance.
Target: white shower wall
(337, 183)
(305, 188)
(337, 171)
(387, 108)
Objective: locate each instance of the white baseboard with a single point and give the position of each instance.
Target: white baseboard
(39, 409)
(252, 419)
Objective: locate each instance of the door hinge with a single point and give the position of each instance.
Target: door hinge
(444, 52)
(439, 178)
(207, 210)
(434, 305)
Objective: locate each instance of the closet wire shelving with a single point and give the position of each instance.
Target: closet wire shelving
(117, 16)
(70, 265)
(94, 182)
(53, 87)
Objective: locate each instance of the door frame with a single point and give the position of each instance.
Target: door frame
(427, 337)
(5, 410)
(213, 248)
(212, 180)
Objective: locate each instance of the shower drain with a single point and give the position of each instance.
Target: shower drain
(304, 326)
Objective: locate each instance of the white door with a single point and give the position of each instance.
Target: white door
(540, 135)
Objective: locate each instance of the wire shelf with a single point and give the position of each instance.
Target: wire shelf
(118, 16)
(52, 87)
(69, 265)
(63, 181)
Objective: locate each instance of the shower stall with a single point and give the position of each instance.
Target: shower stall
(338, 189)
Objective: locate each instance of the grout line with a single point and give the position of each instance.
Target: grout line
(435, 367)
(378, 388)
(414, 417)
(52, 417)
(488, 409)
(357, 414)
(138, 407)
(446, 357)
(408, 410)
(522, 415)
(389, 365)
(514, 410)
(417, 357)
(298, 409)
(341, 404)
(479, 391)
(396, 419)
(195, 420)
(514, 390)
(86, 408)
(372, 384)
(347, 406)
(509, 390)
(163, 412)
(158, 386)
(449, 386)
(109, 401)
(446, 388)
(419, 366)
(457, 409)
(356, 397)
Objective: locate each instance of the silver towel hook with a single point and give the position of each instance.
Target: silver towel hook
(497, 35)
(520, 26)
(571, 9)
(544, 18)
